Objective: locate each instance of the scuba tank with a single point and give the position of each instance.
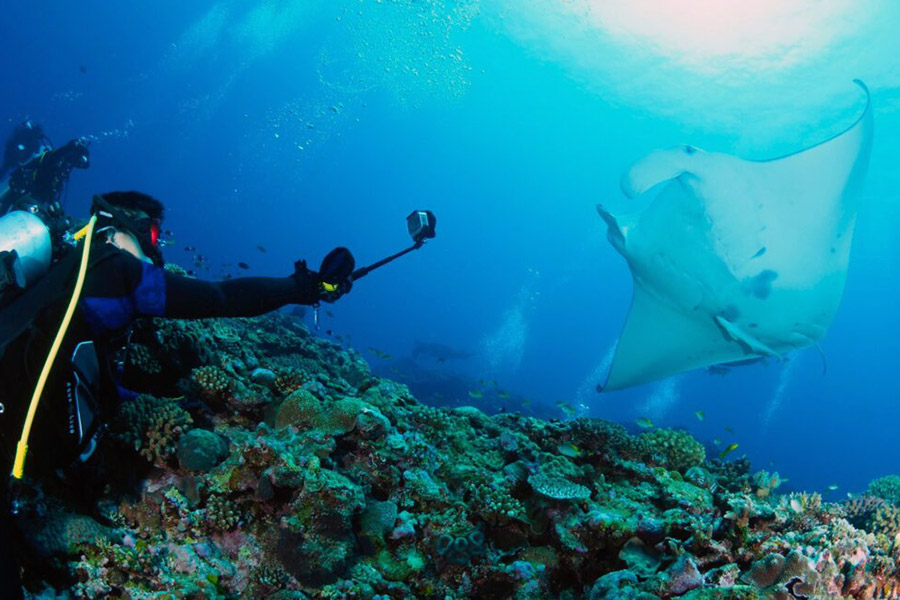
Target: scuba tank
(26, 251)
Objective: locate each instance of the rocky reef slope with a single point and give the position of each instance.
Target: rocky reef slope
(265, 462)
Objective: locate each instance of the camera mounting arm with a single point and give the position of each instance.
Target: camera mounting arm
(363, 271)
(421, 226)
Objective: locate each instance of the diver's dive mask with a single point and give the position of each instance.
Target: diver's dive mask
(145, 229)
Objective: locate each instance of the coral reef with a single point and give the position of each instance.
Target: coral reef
(281, 468)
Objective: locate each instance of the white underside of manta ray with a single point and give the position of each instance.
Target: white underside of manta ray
(735, 259)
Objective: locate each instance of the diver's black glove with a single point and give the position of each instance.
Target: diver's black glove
(336, 274)
(311, 287)
(332, 291)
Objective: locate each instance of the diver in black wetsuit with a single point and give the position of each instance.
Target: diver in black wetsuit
(44, 176)
(39, 174)
(27, 141)
(125, 281)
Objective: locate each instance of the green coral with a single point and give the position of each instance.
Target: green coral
(222, 514)
(459, 550)
(318, 542)
(301, 409)
(765, 483)
(288, 380)
(201, 450)
(886, 520)
(140, 357)
(59, 532)
(494, 500)
(271, 576)
(886, 488)
(152, 426)
(673, 448)
(558, 488)
(340, 417)
(376, 522)
(875, 515)
(211, 381)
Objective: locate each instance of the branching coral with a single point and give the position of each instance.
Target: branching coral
(222, 514)
(211, 381)
(494, 501)
(140, 357)
(288, 380)
(152, 426)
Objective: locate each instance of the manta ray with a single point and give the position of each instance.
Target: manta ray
(735, 259)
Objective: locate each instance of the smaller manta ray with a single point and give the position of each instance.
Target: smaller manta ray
(735, 259)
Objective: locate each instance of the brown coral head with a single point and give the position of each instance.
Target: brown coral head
(765, 572)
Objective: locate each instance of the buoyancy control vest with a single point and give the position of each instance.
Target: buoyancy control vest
(26, 328)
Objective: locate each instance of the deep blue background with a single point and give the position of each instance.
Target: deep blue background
(299, 129)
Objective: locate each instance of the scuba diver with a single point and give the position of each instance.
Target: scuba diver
(27, 141)
(40, 174)
(113, 277)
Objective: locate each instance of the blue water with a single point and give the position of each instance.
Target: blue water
(300, 125)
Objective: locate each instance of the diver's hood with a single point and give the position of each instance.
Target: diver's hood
(141, 228)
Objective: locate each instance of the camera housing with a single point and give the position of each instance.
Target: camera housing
(421, 224)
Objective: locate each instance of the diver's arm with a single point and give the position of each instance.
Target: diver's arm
(120, 287)
(244, 297)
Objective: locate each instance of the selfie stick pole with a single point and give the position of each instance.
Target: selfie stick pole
(363, 271)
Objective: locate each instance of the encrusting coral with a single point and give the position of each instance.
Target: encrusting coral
(282, 468)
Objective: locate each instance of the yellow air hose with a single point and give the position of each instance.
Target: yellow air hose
(22, 447)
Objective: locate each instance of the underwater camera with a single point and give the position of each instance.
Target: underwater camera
(420, 224)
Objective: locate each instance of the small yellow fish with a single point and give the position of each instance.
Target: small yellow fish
(833, 487)
(700, 415)
(503, 394)
(728, 450)
(729, 429)
(644, 423)
(570, 450)
(476, 394)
